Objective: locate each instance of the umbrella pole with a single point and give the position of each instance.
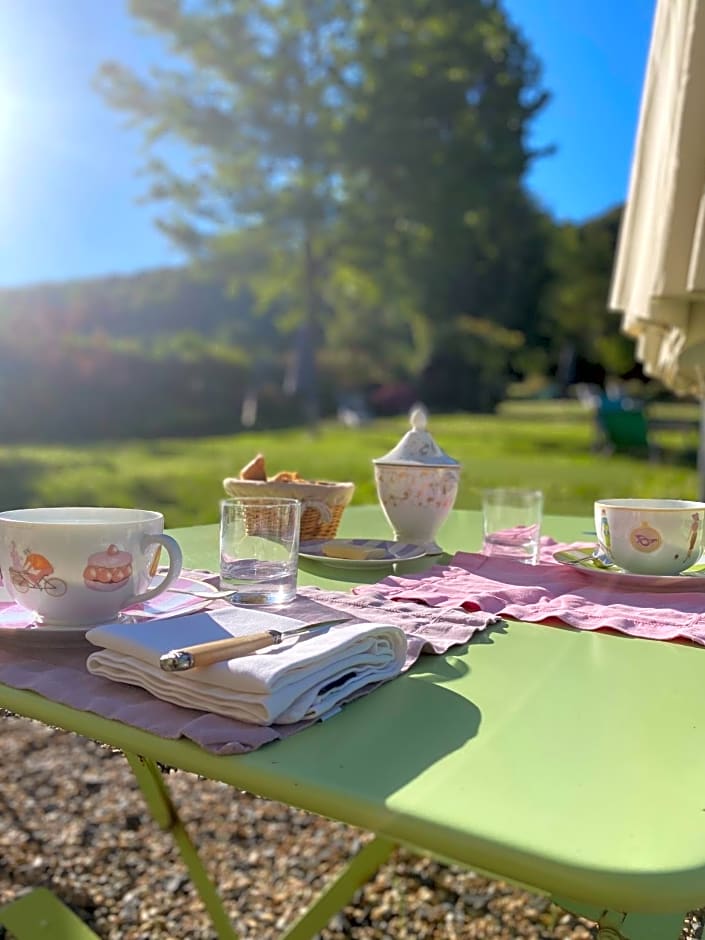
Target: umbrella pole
(701, 453)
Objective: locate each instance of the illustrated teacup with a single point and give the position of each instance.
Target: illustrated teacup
(651, 536)
(80, 566)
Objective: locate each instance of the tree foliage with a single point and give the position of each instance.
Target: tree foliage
(438, 143)
(346, 151)
(573, 311)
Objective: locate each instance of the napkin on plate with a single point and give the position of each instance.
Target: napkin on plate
(304, 677)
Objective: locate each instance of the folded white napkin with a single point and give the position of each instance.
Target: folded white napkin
(304, 677)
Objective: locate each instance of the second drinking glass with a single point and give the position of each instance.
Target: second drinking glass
(511, 523)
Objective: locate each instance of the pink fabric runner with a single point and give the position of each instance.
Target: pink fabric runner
(550, 592)
(59, 673)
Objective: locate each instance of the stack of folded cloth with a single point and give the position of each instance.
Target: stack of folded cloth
(305, 677)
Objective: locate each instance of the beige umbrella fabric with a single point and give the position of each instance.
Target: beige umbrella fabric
(659, 276)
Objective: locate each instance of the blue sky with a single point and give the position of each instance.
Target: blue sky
(68, 165)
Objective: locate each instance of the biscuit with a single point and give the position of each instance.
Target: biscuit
(254, 470)
(287, 476)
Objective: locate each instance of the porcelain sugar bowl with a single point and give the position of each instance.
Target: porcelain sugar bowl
(417, 483)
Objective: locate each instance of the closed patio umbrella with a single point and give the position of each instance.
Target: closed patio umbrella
(659, 275)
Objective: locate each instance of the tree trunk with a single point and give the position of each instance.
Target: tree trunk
(308, 375)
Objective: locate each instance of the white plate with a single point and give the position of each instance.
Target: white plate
(15, 621)
(581, 560)
(393, 552)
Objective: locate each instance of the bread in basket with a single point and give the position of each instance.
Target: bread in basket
(322, 501)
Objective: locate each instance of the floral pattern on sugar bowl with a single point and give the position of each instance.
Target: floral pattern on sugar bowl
(417, 484)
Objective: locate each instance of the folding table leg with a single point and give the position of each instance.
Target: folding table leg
(161, 806)
(40, 914)
(357, 872)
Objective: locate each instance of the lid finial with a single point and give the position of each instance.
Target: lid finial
(418, 418)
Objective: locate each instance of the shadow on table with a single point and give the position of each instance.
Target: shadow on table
(450, 665)
(441, 720)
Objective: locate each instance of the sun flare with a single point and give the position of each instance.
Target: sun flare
(9, 116)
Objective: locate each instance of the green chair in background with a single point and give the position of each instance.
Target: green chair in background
(624, 431)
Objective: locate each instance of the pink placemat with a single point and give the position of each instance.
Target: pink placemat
(554, 593)
(58, 671)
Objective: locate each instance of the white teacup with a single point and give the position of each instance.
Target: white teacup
(651, 536)
(79, 566)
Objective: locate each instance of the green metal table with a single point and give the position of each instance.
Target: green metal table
(566, 761)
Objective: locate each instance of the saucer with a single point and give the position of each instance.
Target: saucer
(386, 552)
(16, 622)
(582, 560)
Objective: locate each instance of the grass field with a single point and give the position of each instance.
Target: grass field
(548, 446)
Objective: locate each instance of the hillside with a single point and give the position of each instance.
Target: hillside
(157, 353)
(148, 304)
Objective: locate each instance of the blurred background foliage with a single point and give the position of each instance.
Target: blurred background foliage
(358, 228)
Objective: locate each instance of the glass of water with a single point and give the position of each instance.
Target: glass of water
(511, 523)
(259, 549)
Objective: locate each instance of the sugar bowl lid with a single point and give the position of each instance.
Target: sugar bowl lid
(417, 447)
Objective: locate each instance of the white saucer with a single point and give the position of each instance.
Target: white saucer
(16, 623)
(393, 552)
(582, 560)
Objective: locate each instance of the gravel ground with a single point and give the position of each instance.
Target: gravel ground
(73, 820)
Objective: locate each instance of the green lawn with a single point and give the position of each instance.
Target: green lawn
(545, 446)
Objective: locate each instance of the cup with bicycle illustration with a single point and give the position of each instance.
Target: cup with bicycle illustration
(80, 566)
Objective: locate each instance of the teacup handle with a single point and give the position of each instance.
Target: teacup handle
(175, 564)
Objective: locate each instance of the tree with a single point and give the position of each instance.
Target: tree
(260, 103)
(340, 142)
(574, 316)
(438, 153)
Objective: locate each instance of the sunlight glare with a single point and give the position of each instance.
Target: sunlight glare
(10, 117)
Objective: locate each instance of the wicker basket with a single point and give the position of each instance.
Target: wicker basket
(322, 502)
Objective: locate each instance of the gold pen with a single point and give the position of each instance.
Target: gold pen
(216, 651)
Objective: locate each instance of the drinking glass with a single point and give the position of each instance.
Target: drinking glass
(511, 523)
(259, 549)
